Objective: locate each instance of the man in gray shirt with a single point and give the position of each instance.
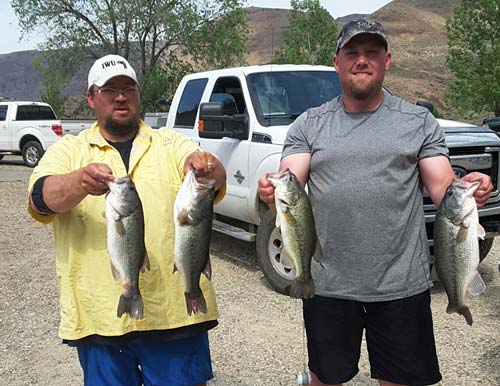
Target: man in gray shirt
(366, 155)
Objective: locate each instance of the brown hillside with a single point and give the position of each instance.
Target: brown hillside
(266, 28)
(417, 39)
(415, 29)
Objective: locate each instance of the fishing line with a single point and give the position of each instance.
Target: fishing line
(304, 377)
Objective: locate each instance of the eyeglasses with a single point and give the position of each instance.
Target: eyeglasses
(112, 93)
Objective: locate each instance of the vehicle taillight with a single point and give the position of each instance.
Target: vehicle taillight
(57, 129)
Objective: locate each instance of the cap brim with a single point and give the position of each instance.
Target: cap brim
(376, 35)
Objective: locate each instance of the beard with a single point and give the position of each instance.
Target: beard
(122, 129)
(364, 90)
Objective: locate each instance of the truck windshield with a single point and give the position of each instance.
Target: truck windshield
(279, 98)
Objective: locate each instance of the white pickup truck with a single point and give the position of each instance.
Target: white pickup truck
(29, 128)
(243, 115)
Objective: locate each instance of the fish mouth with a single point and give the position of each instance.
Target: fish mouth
(469, 187)
(276, 177)
(201, 183)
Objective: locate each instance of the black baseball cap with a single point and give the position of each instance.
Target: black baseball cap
(357, 27)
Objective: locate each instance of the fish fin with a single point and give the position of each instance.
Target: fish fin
(277, 220)
(318, 253)
(207, 271)
(120, 229)
(477, 285)
(115, 272)
(302, 289)
(289, 218)
(131, 305)
(145, 263)
(463, 310)
(480, 232)
(195, 302)
(286, 258)
(183, 217)
(462, 233)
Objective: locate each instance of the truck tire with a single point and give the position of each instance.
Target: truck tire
(32, 152)
(278, 271)
(484, 248)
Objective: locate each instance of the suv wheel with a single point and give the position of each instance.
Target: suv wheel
(32, 152)
(276, 266)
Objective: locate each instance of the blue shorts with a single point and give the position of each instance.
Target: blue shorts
(183, 362)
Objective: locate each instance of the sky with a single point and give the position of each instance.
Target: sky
(10, 31)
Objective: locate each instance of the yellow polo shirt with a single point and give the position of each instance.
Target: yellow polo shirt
(88, 294)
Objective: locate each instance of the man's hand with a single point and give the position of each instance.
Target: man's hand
(483, 193)
(94, 178)
(206, 165)
(266, 190)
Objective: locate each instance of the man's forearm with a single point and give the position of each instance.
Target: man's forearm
(63, 192)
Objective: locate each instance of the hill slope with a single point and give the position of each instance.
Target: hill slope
(415, 29)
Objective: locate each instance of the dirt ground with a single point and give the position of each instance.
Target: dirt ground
(259, 340)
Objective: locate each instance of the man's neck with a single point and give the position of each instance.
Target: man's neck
(355, 105)
(118, 138)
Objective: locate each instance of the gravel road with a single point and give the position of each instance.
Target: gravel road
(259, 340)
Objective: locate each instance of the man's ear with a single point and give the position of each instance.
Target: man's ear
(90, 99)
(335, 62)
(388, 60)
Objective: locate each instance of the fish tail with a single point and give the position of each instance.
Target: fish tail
(302, 288)
(195, 302)
(463, 310)
(132, 305)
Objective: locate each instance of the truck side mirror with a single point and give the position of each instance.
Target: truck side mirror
(213, 123)
(492, 123)
(427, 104)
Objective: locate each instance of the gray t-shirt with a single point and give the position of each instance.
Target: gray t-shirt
(367, 197)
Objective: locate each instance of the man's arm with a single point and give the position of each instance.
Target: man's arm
(63, 192)
(298, 163)
(436, 175)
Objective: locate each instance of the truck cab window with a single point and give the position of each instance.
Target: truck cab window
(280, 97)
(189, 103)
(34, 113)
(229, 87)
(3, 113)
(228, 91)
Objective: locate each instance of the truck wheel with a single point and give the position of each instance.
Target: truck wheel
(32, 152)
(484, 248)
(277, 267)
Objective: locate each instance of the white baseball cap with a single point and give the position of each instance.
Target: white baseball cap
(108, 67)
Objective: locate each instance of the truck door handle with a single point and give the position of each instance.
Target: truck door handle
(239, 177)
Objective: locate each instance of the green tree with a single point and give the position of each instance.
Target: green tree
(311, 37)
(55, 69)
(474, 56)
(152, 34)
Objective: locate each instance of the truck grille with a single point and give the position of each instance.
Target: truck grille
(464, 161)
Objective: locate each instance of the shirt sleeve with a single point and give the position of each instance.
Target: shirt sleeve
(296, 141)
(55, 161)
(434, 139)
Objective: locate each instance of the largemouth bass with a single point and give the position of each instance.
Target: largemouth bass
(456, 246)
(295, 219)
(193, 211)
(125, 236)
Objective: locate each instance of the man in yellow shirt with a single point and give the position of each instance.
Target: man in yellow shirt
(167, 346)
